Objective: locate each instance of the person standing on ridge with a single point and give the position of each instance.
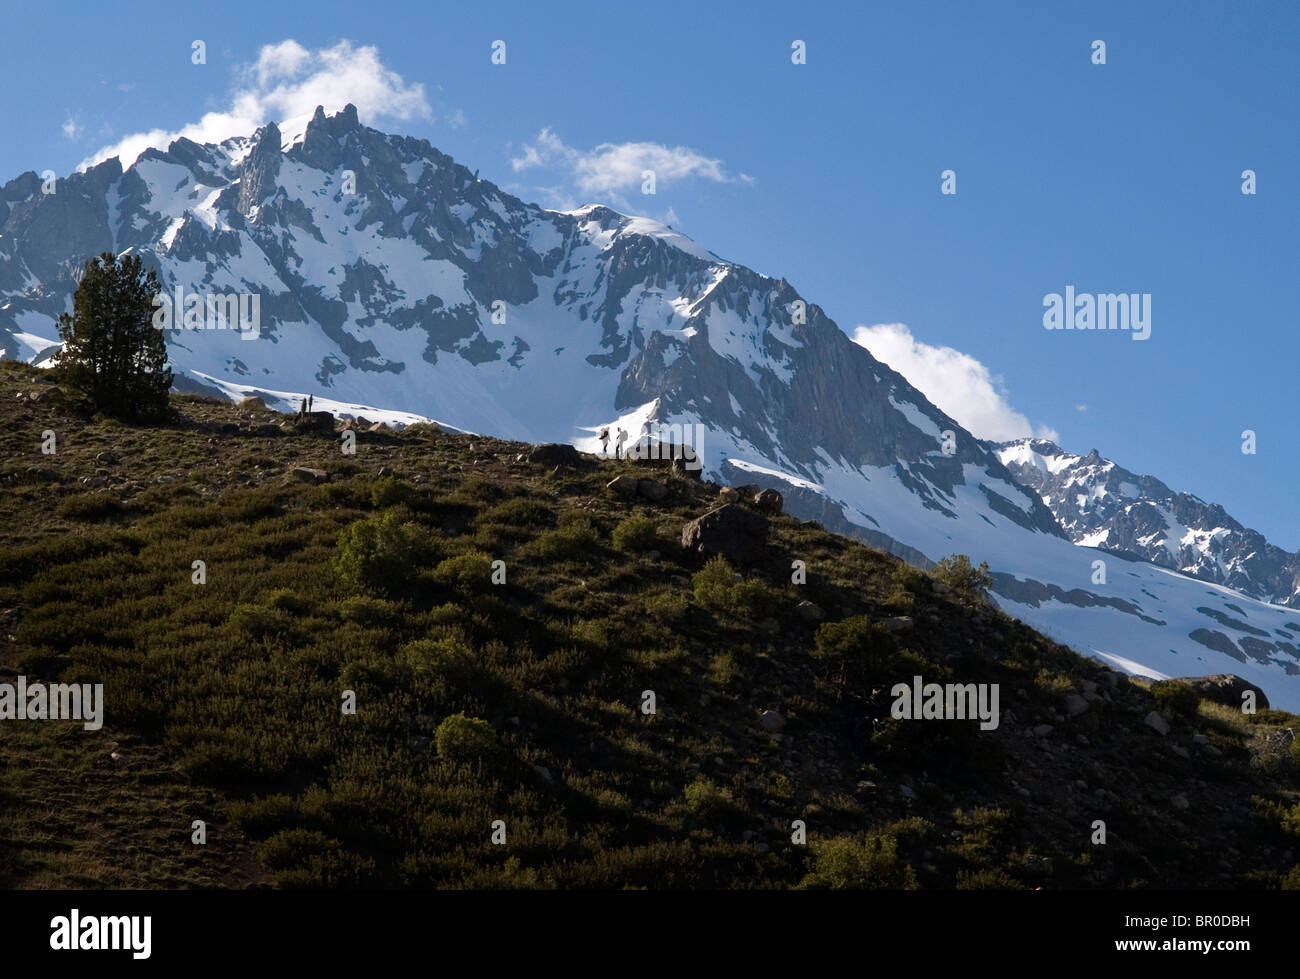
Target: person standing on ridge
(604, 441)
(618, 448)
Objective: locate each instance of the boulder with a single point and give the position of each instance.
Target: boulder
(651, 489)
(729, 494)
(555, 454)
(769, 501)
(737, 534)
(310, 475)
(1157, 723)
(1075, 705)
(106, 459)
(771, 721)
(624, 485)
(898, 623)
(316, 421)
(1226, 689)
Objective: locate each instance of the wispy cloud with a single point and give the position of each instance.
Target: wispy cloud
(954, 382)
(288, 81)
(613, 169)
(71, 128)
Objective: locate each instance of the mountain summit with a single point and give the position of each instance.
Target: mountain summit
(386, 274)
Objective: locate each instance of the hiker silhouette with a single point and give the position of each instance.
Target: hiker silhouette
(618, 448)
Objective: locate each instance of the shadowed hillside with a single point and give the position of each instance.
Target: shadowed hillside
(522, 701)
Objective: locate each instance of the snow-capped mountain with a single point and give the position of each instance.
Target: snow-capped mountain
(1101, 504)
(431, 292)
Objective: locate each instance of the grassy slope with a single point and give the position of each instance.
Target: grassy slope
(223, 698)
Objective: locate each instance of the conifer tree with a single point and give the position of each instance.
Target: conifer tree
(112, 351)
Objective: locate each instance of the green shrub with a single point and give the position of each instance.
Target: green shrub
(967, 582)
(287, 600)
(1175, 699)
(308, 858)
(379, 554)
(867, 862)
(710, 805)
(370, 612)
(467, 573)
(636, 535)
(256, 621)
(461, 738)
(716, 586)
(858, 649)
(389, 492)
(447, 656)
(89, 507)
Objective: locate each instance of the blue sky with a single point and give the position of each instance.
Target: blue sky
(1123, 177)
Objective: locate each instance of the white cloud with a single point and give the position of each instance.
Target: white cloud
(71, 128)
(288, 81)
(955, 383)
(615, 168)
(1081, 407)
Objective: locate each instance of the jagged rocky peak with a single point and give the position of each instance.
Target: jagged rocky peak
(1102, 504)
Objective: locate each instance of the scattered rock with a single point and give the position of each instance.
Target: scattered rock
(106, 459)
(772, 721)
(651, 489)
(384, 471)
(94, 481)
(810, 611)
(1180, 751)
(907, 792)
(769, 501)
(165, 479)
(623, 485)
(555, 454)
(1075, 705)
(308, 475)
(1156, 723)
(377, 427)
(729, 494)
(737, 534)
(898, 623)
(1179, 802)
(1200, 739)
(544, 773)
(1042, 730)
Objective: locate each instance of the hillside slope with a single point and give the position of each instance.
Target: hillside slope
(223, 698)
